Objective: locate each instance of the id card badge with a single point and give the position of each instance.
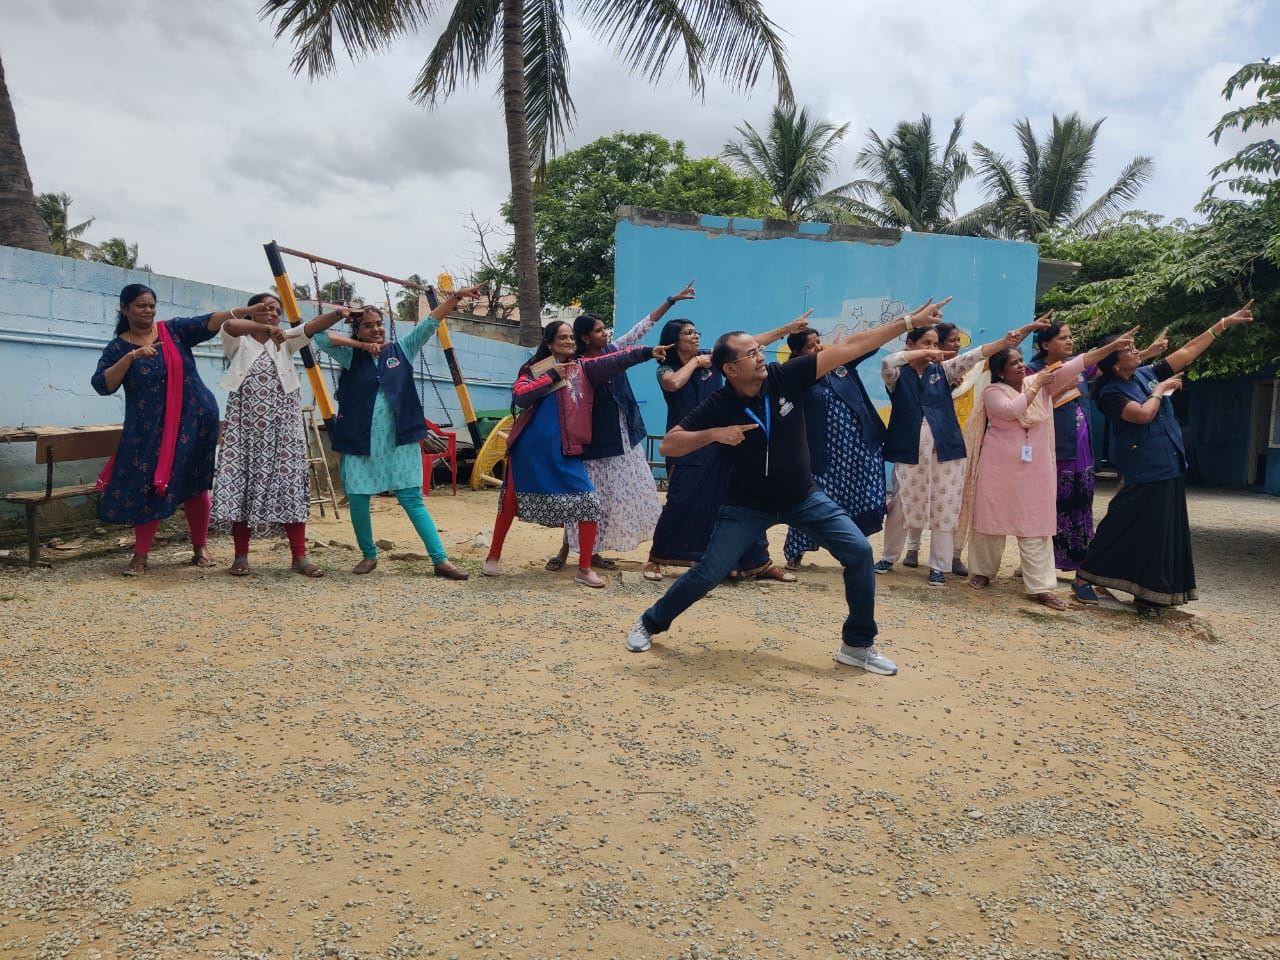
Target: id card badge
(1026, 453)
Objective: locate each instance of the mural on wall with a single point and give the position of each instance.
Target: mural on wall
(754, 277)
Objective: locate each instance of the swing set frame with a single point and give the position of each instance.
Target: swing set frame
(324, 404)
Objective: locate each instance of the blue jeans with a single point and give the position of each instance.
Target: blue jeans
(736, 528)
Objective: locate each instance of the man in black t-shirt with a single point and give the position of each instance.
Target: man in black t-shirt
(759, 417)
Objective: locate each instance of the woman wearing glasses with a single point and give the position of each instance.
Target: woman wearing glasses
(1143, 544)
(696, 482)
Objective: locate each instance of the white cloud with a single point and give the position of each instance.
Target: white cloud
(181, 126)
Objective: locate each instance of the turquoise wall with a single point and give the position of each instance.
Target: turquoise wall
(56, 314)
(754, 275)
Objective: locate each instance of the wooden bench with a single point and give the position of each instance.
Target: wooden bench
(54, 446)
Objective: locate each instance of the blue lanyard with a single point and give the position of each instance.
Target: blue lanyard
(764, 425)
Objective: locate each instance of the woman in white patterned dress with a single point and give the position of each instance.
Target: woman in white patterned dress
(926, 446)
(261, 484)
(615, 457)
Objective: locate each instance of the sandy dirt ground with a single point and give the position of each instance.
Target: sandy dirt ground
(193, 765)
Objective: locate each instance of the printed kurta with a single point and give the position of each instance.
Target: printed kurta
(931, 492)
(262, 475)
(389, 466)
(130, 497)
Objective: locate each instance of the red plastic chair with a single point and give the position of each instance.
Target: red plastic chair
(450, 455)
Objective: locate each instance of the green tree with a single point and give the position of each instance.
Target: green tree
(302, 291)
(65, 238)
(407, 300)
(574, 209)
(733, 39)
(337, 291)
(20, 222)
(794, 157)
(1046, 189)
(119, 252)
(909, 185)
(1141, 271)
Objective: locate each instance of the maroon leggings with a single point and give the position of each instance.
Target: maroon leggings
(296, 532)
(197, 511)
(587, 529)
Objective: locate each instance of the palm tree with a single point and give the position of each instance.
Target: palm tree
(55, 211)
(20, 224)
(119, 252)
(795, 156)
(731, 38)
(1047, 188)
(407, 300)
(910, 186)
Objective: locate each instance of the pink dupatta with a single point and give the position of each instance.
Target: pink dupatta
(173, 389)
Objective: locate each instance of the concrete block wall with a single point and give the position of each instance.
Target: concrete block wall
(57, 314)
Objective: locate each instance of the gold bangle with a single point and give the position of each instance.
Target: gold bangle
(1212, 332)
(906, 322)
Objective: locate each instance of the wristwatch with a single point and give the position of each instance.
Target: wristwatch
(671, 301)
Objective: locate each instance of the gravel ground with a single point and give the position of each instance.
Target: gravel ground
(396, 766)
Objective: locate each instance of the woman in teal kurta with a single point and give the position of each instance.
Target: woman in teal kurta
(388, 465)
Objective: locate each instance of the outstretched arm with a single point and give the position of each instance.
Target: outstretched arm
(1182, 357)
(868, 341)
(795, 326)
(636, 333)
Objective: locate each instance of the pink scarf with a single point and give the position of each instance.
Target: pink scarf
(173, 384)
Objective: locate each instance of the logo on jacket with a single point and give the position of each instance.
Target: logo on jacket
(393, 362)
(841, 372)
(706, 374)
(785, 406)
(935, 377)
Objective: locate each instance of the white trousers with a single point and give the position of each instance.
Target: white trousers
(941, 542)
(1036, 554)
(913, 541)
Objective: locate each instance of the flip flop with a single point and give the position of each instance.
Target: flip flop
(239, 567)
(603, 563)
(199, 561)
(556, 564)
(652, 572)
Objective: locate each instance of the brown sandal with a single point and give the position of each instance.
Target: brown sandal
(136, 569)
(1050, 600)
(652, 572)
(366, 565)
(307, 568)
(239, 567)
(201, 558)
(979, 582)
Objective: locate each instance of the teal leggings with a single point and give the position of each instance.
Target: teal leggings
(411, 500)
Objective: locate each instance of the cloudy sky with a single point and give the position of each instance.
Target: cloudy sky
(178, 124)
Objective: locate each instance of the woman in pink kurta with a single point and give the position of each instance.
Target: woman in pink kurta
(1016, 489)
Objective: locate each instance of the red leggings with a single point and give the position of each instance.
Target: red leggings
(296, 532)
(197, 511)
(507, 512)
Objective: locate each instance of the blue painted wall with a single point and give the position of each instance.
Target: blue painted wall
(56, 314)
(751, 278)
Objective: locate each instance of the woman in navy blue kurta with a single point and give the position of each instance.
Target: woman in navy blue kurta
(133, 360)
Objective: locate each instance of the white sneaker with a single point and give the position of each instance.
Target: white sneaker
(638, 640)
(868, 658)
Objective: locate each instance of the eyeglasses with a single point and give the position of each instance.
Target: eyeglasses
(689, 332)
(749, 355)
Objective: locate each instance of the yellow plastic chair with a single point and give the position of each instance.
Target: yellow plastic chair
(492, 452)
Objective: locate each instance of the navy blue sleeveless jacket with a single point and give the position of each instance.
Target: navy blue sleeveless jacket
(1144, 452)
(358, 387)
(845, 383)
(917, 398)
(606, 434)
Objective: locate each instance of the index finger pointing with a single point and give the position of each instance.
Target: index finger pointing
(942, 303)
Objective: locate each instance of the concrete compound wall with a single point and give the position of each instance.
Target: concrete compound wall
(755, 275)
(56, 315)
